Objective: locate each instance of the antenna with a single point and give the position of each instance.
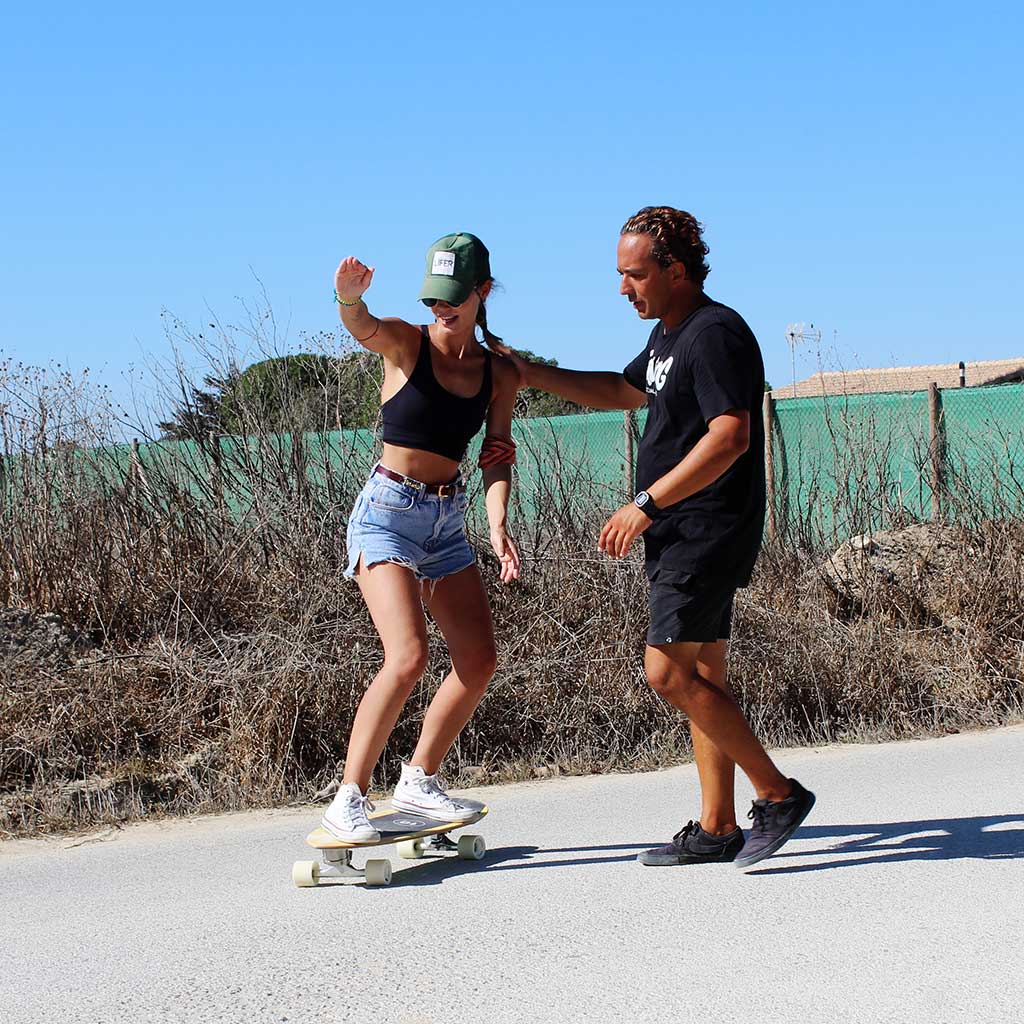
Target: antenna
(797, 335)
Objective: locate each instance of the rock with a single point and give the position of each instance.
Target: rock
(473, 774)
(327, 793)
(32, 643)
(917, 571)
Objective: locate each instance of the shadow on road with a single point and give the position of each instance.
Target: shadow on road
(517, 858)
(993, 837)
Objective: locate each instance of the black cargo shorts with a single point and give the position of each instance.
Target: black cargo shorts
(690, 608)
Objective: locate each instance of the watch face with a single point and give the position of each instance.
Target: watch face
(641, 499)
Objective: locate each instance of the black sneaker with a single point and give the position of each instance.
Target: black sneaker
(692, 845)
(774, 822)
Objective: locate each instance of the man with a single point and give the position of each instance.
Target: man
(700, 507)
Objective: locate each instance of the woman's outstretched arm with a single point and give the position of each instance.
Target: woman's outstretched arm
(498, 475)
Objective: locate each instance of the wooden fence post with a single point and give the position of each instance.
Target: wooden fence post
(936, 449)
(137, 478)
(136, 474)
(769, 465)
(629, 432)
(216, 482)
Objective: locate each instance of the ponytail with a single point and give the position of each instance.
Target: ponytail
(481, 322)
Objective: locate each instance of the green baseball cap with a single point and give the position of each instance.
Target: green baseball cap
(456, 264)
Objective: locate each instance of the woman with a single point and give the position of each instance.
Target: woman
(406, 536)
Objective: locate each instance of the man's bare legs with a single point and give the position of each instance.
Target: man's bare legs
(717, 771)
(673, 673)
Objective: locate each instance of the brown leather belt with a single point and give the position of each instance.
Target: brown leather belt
(441, 490)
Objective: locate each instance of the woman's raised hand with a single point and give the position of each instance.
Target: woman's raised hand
(351, 279)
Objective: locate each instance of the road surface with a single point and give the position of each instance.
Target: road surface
(902, 899)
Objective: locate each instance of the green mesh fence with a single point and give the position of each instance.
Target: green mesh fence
(564, 464)
(984, 450)
(843, 465)
(846, 465)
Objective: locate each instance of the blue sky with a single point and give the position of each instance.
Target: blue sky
(855, 165)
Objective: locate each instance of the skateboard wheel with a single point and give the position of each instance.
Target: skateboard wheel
(472, 847)
(306, 873)
(378, 872)
(411, 849)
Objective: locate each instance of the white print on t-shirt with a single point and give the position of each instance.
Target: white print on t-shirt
(657, 372)
(444, 263)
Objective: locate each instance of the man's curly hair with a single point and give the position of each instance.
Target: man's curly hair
(675, 238)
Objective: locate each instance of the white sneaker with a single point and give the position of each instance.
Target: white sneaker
(422, 794)
(346, 818)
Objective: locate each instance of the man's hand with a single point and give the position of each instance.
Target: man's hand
(521, 365)
(621, 530)
(507, 554)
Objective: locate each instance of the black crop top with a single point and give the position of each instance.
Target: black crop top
(424, 415)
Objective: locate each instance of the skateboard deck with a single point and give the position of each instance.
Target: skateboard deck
(416, 835)
(394, 827)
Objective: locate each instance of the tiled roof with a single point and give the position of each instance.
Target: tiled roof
(901, 378)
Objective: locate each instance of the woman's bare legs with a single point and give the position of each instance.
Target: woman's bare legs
(392, 595)
(459, 606)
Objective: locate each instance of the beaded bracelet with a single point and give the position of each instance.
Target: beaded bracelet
(342, 302)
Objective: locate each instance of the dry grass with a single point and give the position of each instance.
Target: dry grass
(204, 653)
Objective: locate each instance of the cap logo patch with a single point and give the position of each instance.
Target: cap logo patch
(444, 263)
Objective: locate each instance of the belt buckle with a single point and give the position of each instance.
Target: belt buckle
(446, 490)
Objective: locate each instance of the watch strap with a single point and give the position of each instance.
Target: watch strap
(645, 503)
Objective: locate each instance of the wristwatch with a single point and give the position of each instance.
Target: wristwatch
(645, 503)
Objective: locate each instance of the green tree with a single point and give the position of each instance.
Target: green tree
(309, 392)
(305, 392)
(199, 413)
(285, 394)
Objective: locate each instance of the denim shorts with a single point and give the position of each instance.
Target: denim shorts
(393, 522)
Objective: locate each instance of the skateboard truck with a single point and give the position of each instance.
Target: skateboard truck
(443, 844)
(467, 848)
(338, 866)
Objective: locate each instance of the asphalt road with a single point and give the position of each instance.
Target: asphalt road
(901, 899)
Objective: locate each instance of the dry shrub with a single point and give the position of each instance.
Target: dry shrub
(197, 649)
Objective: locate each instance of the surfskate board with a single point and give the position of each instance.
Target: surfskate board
(415, 835)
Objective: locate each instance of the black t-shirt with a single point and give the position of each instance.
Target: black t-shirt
(706, 366)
